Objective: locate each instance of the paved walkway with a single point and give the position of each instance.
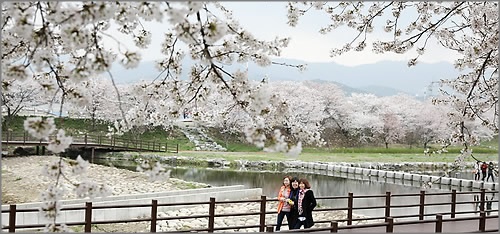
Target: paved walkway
(448, 227)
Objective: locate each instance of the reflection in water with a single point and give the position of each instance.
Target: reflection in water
(324, 183)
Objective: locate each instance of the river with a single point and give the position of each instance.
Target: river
(323, 183)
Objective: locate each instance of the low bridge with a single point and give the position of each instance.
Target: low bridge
(89, 141)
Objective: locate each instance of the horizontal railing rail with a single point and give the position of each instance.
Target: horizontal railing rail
(388, 220)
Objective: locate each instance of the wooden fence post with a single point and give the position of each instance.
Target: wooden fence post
(453, 202)
(390, 224)
(262, 213)
(177, 149)
(335, 226)
(12, 218)
(422, 205)
(88, 217)
(9, 134)
(154, 214)
(439, 223)
(211, 215)
(92, 154)
(85, 139)
(387, 204)
(483, 198)
(482, 221)
(349, 208)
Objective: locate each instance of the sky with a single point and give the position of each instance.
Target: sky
(266, 20)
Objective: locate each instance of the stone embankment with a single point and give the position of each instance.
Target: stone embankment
(201, 140)
(220, 162)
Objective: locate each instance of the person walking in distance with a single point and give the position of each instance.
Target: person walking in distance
(491, 168)
(306, 205)
(284, 205)
(477, 171)
(484, 169)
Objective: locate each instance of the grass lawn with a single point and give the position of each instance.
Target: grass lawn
(332, 157)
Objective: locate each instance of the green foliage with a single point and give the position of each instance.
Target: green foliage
(491, 144)
(337, 157)
(396, 150)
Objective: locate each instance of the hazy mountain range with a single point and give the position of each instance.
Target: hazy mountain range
(382, 78)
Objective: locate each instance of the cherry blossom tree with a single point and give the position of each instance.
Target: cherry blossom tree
(337, 119)
(430, 125)
(302, 121)
(467, 28)
(97, 102)
(16, 96)
(366, 119)
(62, 43)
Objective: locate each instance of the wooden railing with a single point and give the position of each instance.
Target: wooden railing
(93, 140)
(389, 222)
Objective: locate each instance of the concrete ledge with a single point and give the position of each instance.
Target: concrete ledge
(383, 175)
(351, 170)
(344, 169)
(135, 196)
(358, 170)
(456, 182)
(445, 181)
(466, 183)
(374, 172)
(477, 184)
(366, 171)
(435, 179)
(398, 175)
(425, 178)
(489, 186)
(416, 177)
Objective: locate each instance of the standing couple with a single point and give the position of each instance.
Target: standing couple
(296, 203)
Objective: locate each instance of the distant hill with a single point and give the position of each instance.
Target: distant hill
(382, 78)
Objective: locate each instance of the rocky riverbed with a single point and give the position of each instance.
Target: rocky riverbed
(23, 181)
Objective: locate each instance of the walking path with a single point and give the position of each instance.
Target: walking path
(448, 227)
